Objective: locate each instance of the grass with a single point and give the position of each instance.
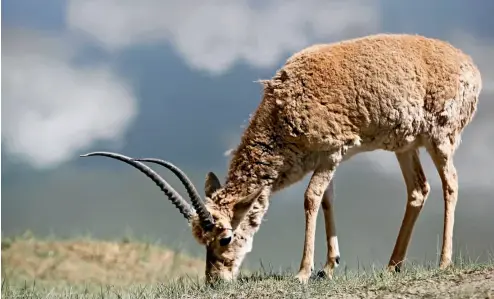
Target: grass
(85, 261)
(84, 268)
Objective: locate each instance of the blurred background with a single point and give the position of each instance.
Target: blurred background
(175, 80)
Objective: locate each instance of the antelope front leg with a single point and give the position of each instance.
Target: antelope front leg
(333, 254)
(313, 196)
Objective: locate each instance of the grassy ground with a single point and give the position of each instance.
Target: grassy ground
(85, 268)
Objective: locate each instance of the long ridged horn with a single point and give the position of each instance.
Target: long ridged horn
(195, 198)
(183, 206)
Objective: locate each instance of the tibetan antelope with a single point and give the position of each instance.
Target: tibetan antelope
(393, 92)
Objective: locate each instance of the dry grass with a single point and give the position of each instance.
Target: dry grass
(91, 262)
(34, 268)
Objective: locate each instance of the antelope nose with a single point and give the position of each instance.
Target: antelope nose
(225, 241)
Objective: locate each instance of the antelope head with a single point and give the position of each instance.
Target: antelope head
(218, 227)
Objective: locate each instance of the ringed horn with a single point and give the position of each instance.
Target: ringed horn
(183, 206)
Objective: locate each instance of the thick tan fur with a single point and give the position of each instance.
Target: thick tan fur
(327, 103)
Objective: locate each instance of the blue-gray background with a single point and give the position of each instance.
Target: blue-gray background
(175, 79)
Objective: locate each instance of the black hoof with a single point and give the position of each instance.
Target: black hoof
(321, 274)
(337, 260)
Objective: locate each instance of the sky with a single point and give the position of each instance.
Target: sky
(176, 80)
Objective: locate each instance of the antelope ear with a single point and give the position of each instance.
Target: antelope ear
(243, 205)
(212, 184)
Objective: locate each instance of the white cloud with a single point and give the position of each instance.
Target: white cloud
(213, 35)
(52, 109)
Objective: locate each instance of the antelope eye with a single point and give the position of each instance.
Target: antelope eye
(225, 241)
